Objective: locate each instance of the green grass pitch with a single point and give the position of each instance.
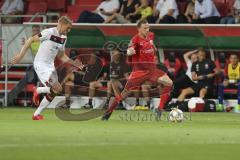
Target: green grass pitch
(208, 136)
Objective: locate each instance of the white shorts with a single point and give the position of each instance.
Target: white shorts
(47, 74)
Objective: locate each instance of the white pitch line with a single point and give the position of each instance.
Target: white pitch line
(84, 144)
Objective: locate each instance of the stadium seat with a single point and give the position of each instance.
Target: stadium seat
(35, 1)
(74, 16)
(58, 5)
(79, 9)
(37, 7)
(34, 8)
(230, 3)
(182, 7)
(74, 11)
(223, 10)
(1, 3)
(87, 2)
(219, 1)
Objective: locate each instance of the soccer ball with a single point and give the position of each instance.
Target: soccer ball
(176, 115)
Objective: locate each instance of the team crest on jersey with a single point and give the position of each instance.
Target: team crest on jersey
(197, 67)
(206, 66)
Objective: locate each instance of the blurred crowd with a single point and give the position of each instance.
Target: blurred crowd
(160, 11)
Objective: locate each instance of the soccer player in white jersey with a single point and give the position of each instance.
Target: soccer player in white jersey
(52, 44)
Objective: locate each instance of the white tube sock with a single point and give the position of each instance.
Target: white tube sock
(44, 103)
(43, 90)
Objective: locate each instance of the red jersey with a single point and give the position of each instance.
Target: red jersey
(145, 51)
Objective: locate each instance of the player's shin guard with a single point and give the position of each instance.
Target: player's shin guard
(43, 90)
(166, 90)
(44, 103)
(220, 93)
(164, 99)
(114, 104)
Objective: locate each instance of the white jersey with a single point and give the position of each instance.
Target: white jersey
(51, 42)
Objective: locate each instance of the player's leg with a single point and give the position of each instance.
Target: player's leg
(165, 81)
(145, 91)
(164, 96)
(203, 92)
(109, 93)
(44, 73)
(54, 90)
(68, 86)
(136, 94)
(92, 88)
(135, 80)
(184, 93)
(117, 87)
(115, 103)
(165, 85)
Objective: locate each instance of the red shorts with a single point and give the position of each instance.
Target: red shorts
(137, 78)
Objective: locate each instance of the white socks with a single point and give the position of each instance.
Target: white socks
(43, 90)
(44, 103)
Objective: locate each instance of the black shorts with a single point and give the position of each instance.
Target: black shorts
(198, 86)
(78, 80)
(104, 83)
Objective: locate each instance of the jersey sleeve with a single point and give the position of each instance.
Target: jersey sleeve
(212, 64)
(44, 35)
(63, 46)
(151, 35)
(133, 43)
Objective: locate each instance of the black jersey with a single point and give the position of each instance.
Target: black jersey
(204, 68)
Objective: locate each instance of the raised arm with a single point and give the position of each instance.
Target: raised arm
(187, 55)
(18, 57)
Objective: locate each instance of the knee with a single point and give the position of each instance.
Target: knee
(57, 88)
(92, 85)
(203, 92)
(165, 80)
(184, 92)
(144, 87)
(109, 83)
(170, 82)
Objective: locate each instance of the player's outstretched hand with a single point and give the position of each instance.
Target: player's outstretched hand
(131, 51)
(78, 64)
(16, 58)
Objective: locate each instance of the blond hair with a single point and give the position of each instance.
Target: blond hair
(65, 20)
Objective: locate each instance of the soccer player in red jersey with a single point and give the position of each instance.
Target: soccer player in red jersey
(142, 51)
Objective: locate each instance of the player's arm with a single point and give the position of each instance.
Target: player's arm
(187, 55)
(18, 57)
(152, 37)
(132, 47)
(65, 59)
(216, 71)
(195, 77)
